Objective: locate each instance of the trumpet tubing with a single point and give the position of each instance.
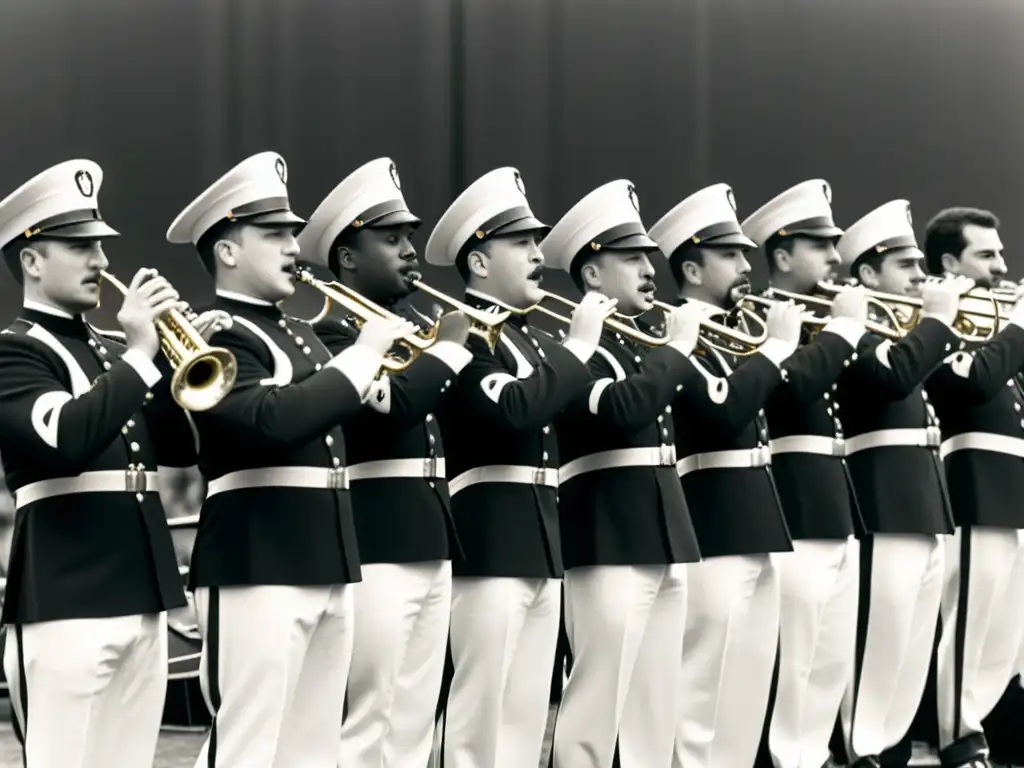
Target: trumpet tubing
(730, 341)
(625, 329)
(483, 325)
(202, 375)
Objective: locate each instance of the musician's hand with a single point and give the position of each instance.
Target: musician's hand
(379, 334)
(940, 299)
(851, 302)
(454, 327)
(682, 325)
(782, 322)
(588, 318)
(214, 321)
(148, 297)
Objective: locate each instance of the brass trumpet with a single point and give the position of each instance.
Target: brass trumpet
(484, 325)
(819, 307)
(616, 325)
(203, 375)
(729, 341)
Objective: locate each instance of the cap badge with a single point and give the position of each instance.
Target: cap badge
(84, 181)
(393, 170)
(631, 191)
(731, 198)
(910, 219)
(828, 192)
(282, 170)
(519, 183)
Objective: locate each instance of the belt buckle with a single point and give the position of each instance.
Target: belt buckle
(933, 437)
(430, 467)
(666, 455)
(838, 446)
(337, 478)
(540, 476)
(135, 480)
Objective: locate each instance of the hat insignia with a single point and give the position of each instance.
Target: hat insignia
(84, 181)
(731, 198)
(282, 170)
(827, 189)
(393, 170)
(910, 219)
(631, 191)
(519, 183)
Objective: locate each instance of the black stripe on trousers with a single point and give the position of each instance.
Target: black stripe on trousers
(764, 754)
(212, 669)
(21, 729)
(960, 631)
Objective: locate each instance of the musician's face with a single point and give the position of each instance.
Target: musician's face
(383, 262)
(981, 259)
(809, 261)
(626, 275)
(724, 277)
(510, 268)
(65, 273)
(899, 273)
(262, 258)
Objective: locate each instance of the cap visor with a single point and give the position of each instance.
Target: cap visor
(731, 239)
(274, 218)
(638, 242)
(85, 230)
(823, 232)
(527, 224)
(394, 219)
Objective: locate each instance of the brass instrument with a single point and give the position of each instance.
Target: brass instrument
(819, 307)
(203, 375)
(484, 325)
(618, 326)
(729, 341)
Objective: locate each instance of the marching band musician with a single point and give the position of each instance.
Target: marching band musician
(977, 395)
(397, 470)
(626, 530)
(502, 460)
(818, 581)
(891, 444)
(275, 552)
(85, 423)
(733, 603)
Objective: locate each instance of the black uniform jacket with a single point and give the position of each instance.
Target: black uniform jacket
(257, 526)
(620, 499)
(498, 422)
(90, 537)
(977, 395)
(400, 518)
(900, 485)
(806, 437)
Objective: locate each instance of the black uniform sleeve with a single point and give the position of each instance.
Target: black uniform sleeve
(634, 402)
(730, 403)
(169, 426)
(39, 415)
(811, 370)
(895, 369)
(492, 393)
(289, 414)
(400, 399)
(977, 376)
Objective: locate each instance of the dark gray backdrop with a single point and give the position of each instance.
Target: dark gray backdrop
(921, 99)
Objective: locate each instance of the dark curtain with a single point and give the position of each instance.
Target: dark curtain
(919, 99)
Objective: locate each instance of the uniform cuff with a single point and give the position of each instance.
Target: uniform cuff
(143, 366)
(777, 350)
(848, 328)
(359, 365)
(581, 349)
(682, 348)
(451, 354)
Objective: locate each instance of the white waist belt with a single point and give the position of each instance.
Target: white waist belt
(650, 456)
(983, 441)
(504, 473)
(930, 437)
(280, 477)
(100, 481)
(816, 444)
(742, 458)
(430, 469)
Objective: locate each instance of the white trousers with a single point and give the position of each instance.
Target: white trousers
(817, 640)
(94, 690)
(273, 671)
(401, 636)
(503, 637)
(625, 626)
(900, 611)
(981, 626)
(729, 648)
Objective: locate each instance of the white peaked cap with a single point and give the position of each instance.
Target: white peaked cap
(803, 209)
(254, 191)
(706, 217)
(887, 227)
(494, 204)
(608, 217)
(370, 196)
(62, 201)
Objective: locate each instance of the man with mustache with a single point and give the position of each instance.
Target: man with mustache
(362, 230)
(818, 580)
(275, 553)
(626, 530)
(891, 444)
(977, 394)
(85, 422)
(733, 603)
(502, 459)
